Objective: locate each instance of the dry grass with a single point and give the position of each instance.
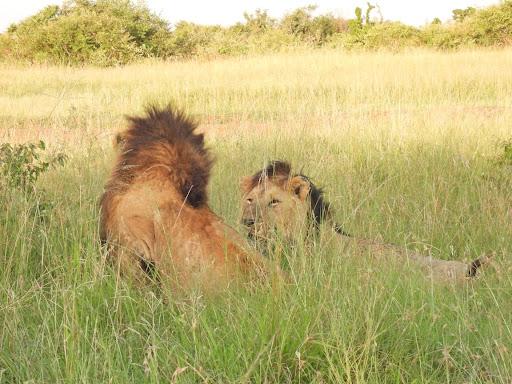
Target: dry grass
(404, 145)
(420, 95)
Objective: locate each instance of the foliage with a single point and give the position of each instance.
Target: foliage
(461, 14)
(258, 22)
(355, 26)
(362, 31)
(116, 32)
(21, 165)
(102, 32)
(302, 25)
(446, 36)
(188, 39)
(492, 26)
(369, 10)
(323, 27)
(392, 35)
(298, 23)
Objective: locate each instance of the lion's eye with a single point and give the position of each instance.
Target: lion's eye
(273, 203)
(249, 201)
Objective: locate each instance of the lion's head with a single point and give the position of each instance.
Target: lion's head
(277, 201)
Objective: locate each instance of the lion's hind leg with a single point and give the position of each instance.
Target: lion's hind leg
(134, 252)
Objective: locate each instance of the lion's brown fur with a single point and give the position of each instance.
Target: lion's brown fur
(164, 139)
(154, 211)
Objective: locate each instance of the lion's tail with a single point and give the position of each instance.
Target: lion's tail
(476, 264)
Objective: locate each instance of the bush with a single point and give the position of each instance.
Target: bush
(391, 35)
(322, 28)
(298, 23)
(387, 35)
(257, 22)
(485, 27)
(461, 14)
(304, 27)
(21, 165)
(492, 26)
(226, 43)
(273, 40)
(188, 39)
(116, 32)
(102, 32)
(447, 36)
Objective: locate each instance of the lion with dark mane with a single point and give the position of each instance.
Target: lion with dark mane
(155, 217)
(277, 201)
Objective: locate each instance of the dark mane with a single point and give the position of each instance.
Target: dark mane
(275, 169)
(320, 208)
(164, 141)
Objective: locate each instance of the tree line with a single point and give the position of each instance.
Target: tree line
(117, 32)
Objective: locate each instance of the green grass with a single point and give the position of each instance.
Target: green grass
(405, 146)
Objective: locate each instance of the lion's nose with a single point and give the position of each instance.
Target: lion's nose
(248, 222)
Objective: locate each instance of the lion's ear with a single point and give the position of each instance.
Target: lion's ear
(246, 184)
(299, 186)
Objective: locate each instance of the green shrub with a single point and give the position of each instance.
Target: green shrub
(116, 32)
(461, 14)
(21, 165)
(322, 28)
(493, 25)
(227, 43)
(298, 23)
(391, 35)
(257, 22)
(302, 25)
(273, 40)
(448, 36)
(102, 32)
(188, 39)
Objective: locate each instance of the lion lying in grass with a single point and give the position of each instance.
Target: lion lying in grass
(277, 201)
(154, 211)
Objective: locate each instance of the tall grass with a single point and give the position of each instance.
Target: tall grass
(405, 146)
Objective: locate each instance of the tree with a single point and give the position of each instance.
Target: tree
(369, 9)
(101, 32)
(298, 23)
(259, 21)
(460, 14)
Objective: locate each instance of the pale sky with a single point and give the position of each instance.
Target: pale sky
(227, 12)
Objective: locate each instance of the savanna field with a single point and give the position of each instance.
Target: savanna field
(407, 147)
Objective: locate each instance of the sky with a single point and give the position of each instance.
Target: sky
(227, 12)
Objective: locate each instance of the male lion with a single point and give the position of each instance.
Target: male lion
(275, 200)
(154, 212)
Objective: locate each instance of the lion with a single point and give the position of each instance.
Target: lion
(155, 217)
(276, 201)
